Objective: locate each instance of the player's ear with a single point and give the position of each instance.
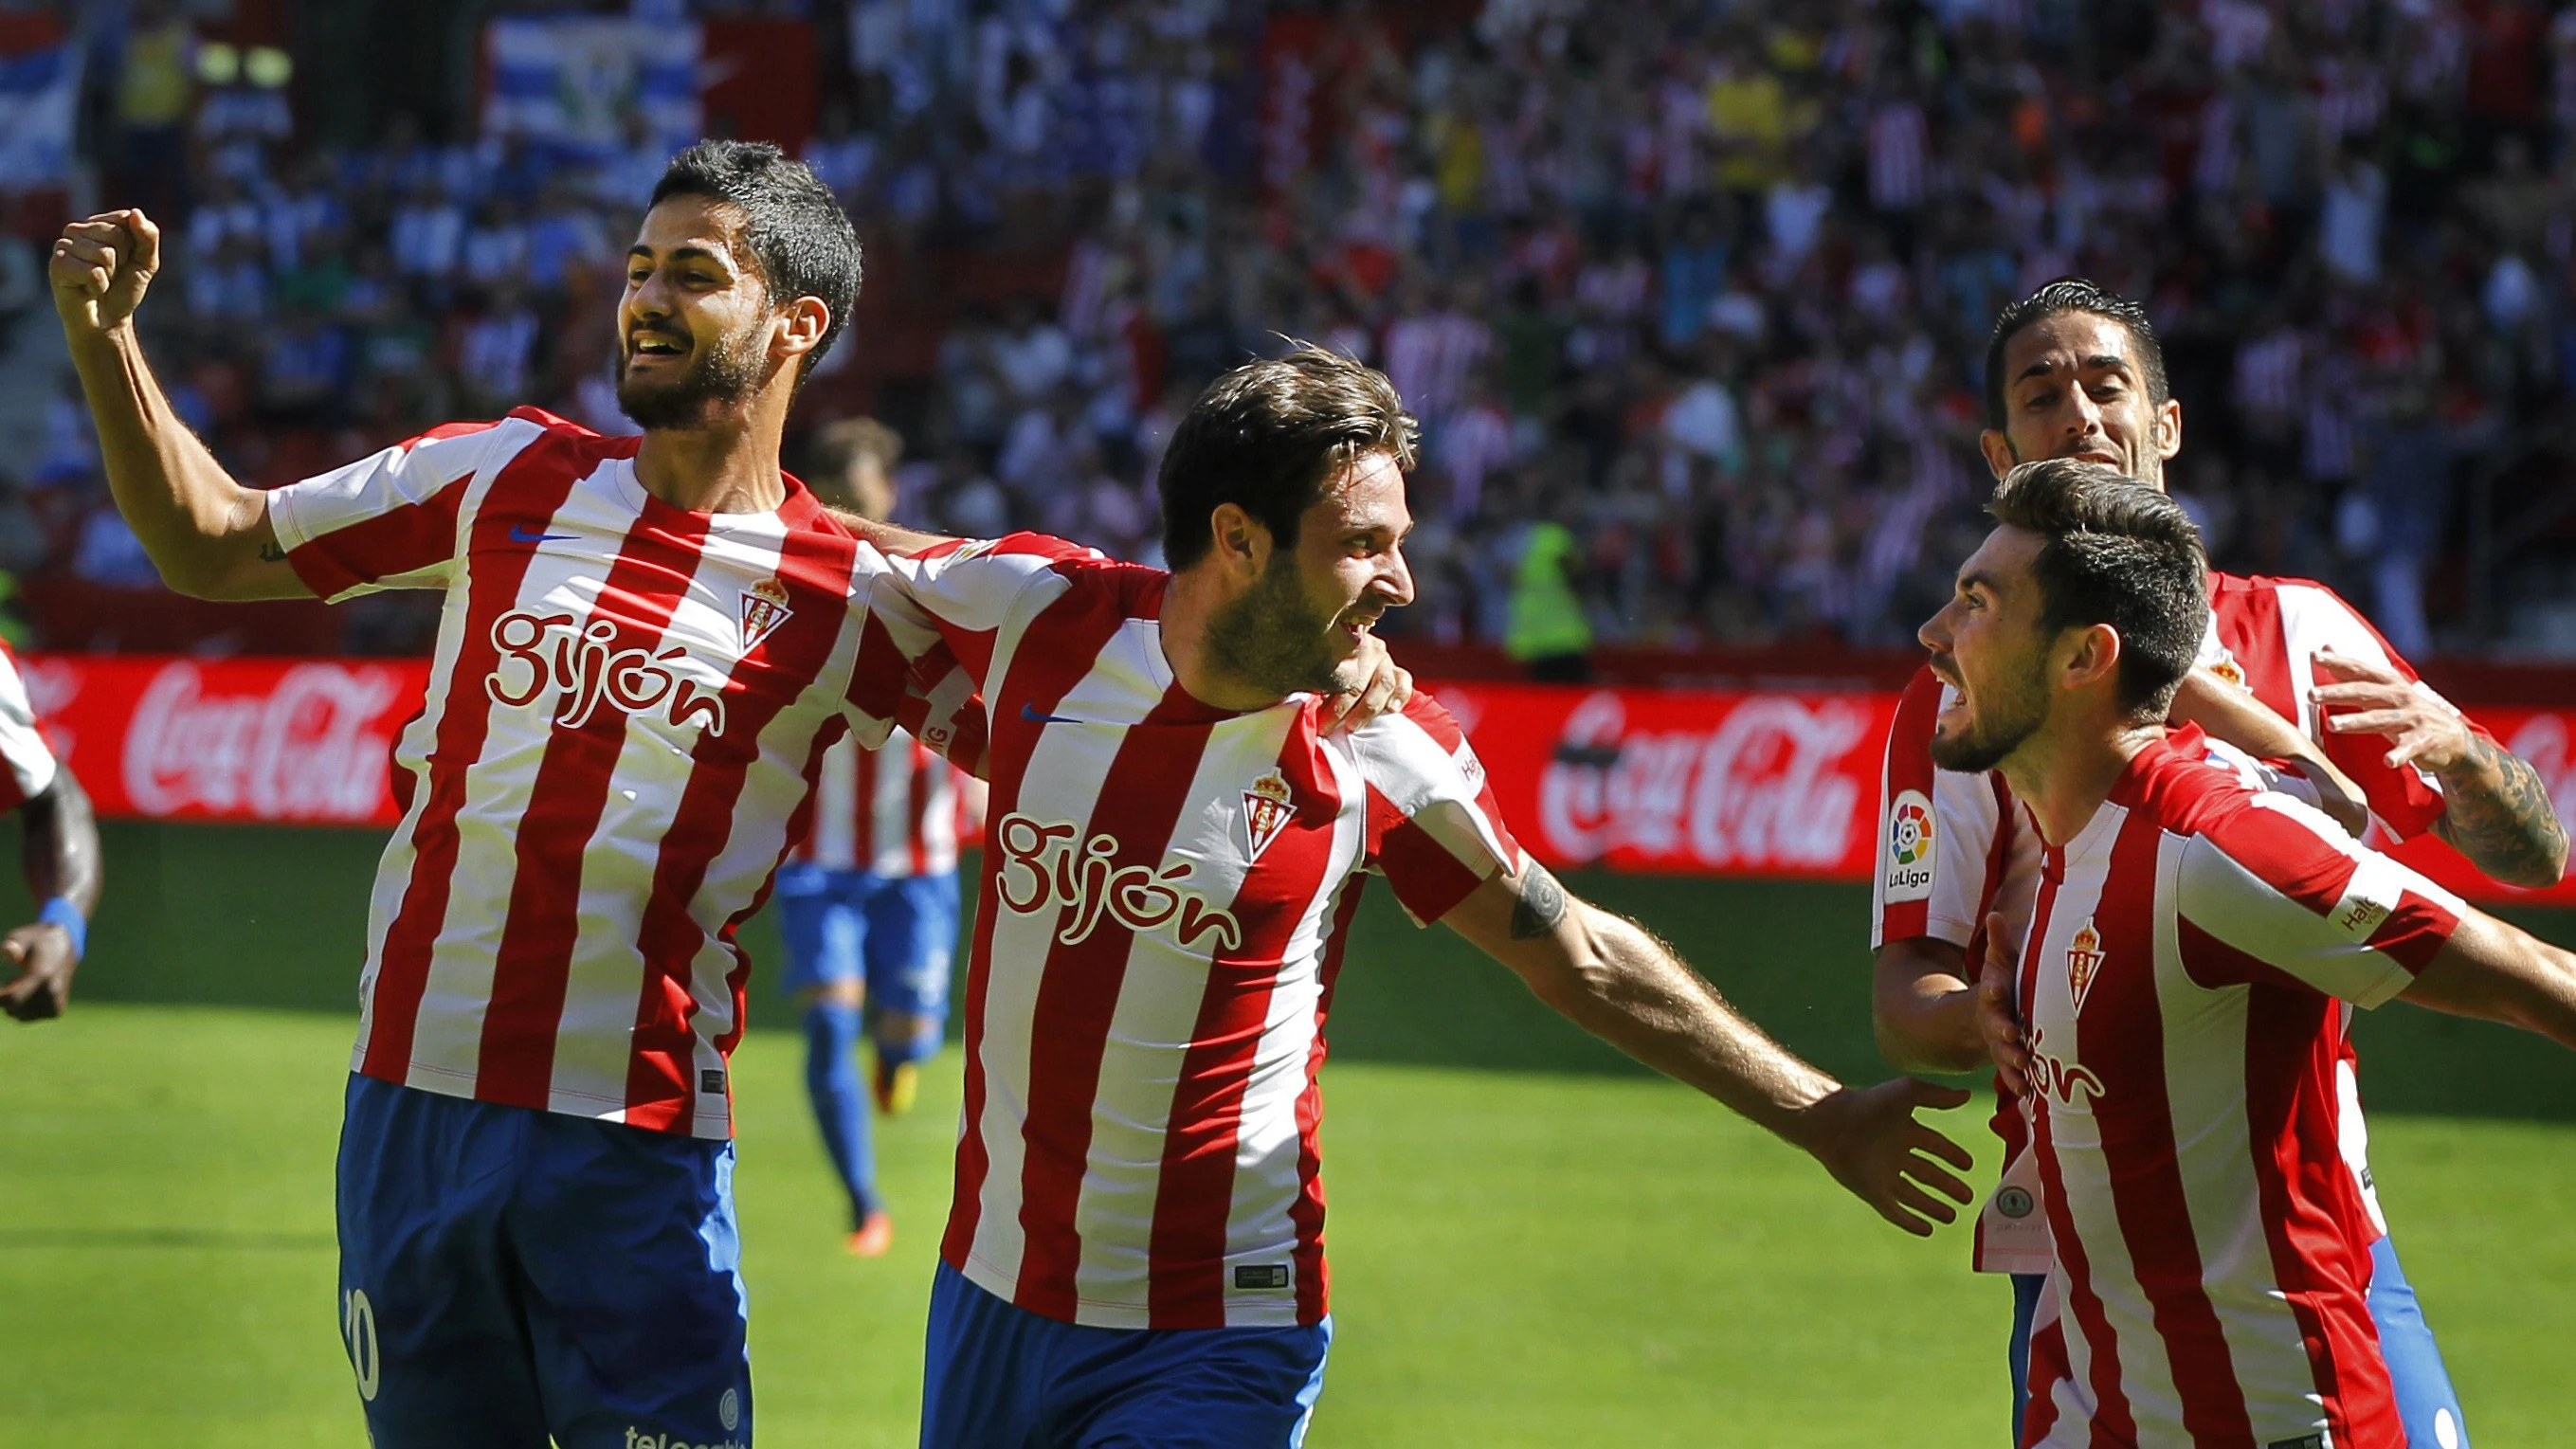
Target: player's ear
(1998, 451)
(1239, 540)
(2168, 426)
(802, 324)
(2092, 656)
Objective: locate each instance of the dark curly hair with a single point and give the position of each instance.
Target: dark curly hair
(2115, 552)
(1268, 437)
(800, 238)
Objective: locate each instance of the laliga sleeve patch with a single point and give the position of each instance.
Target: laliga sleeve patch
(1905, 855)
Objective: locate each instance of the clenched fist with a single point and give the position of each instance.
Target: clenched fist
(101, 267)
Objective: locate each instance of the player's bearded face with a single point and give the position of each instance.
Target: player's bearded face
(1987, 644)
(718, 375)
(2074, 387)
(1274, 636)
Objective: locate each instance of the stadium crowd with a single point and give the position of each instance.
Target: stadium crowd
(1691, 297)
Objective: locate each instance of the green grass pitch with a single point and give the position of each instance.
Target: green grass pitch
(1530, 1244)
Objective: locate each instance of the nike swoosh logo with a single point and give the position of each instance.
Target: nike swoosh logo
(1030, 713)
(521, 533)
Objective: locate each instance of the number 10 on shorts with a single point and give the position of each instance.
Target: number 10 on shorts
(358, 1325)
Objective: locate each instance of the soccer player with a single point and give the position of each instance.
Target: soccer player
(2178, 1012)
(59, 855)
(1135, 1254)
(868, 897)
(647, 642)
(2074, 372)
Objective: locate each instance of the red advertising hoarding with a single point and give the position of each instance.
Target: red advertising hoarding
(1675, 781)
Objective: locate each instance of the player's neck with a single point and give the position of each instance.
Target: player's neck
(730, 467)
(2064, 775)
(1190, 603)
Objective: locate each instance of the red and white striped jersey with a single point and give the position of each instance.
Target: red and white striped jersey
(27, 766)
(1953, 847)
(2185, 980)
(626, 703)
(890, 811)
(1167, 894)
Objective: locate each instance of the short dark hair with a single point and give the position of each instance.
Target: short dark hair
(800, 237)
(2115, 551)
(1268, 437)
(2073, 294)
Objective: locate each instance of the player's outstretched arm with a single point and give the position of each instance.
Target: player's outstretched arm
(2236, 716)
(208, 535)
(2496, 809)
(60, 857)
(1613, 978)
(2498, 972)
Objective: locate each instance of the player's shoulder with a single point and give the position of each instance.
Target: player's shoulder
(2297, 601)
(2222, 803)
(1421, 736)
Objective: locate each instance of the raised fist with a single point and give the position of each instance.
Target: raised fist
(101, 267)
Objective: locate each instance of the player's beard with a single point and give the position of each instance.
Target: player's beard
(719, 377)
(1272, 638)
(2007, 711)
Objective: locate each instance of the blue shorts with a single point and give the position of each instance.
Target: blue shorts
(2426, 1401)
(999, 1375)
(508, 1275)
(897, 935)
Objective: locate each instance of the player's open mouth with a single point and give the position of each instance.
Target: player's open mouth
(649, 347)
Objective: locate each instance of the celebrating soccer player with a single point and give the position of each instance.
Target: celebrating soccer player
(2286, 670)
(1172, 861)
(2175, 1009)
(645, 642)
(59, 855)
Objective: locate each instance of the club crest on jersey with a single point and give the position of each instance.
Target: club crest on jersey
(2083, 961)
(2228, 669)
(1266, 812)
(764, 608)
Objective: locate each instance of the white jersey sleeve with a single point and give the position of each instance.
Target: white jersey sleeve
(2277, 892)
(945, 610)
(27, 765)
(395, 519)
(1435, 830)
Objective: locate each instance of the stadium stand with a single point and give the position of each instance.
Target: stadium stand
(1705, 283)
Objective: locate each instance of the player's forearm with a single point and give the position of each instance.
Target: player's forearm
(2497, 812)
(194, 521)
(2501, 973)
(1924, 1011)
(60, 854)
(1632, 991)
(888, 538)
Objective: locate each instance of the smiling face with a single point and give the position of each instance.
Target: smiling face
(2074, 388)
(695, 327)
(1988, 644)
(1302, 620)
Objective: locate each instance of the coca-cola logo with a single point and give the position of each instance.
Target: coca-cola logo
(1765, 788)
(308, 747)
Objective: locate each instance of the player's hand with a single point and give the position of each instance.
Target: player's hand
(101, 268)
(2377, 700)
(1868, 1139)
(1997, 1019)
(45, 958)
(1388, 687)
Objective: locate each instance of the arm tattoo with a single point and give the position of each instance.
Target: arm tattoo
(271, 553)
(2512, 833)
(1541, 904)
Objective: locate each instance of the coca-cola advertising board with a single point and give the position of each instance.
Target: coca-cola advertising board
(304, 741)
(1678, 781)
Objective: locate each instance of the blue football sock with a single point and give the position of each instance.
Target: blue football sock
(840, 1108)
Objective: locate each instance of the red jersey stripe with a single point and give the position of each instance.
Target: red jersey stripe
(1040, 682)
(1197, 1184)
(1307, 1213)
(662, 1082)
(1140, 803)
(529, 489)
(644, 584)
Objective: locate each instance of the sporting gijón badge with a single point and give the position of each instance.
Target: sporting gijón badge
(764, 608)
(2083, 962)
(1266, 812)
